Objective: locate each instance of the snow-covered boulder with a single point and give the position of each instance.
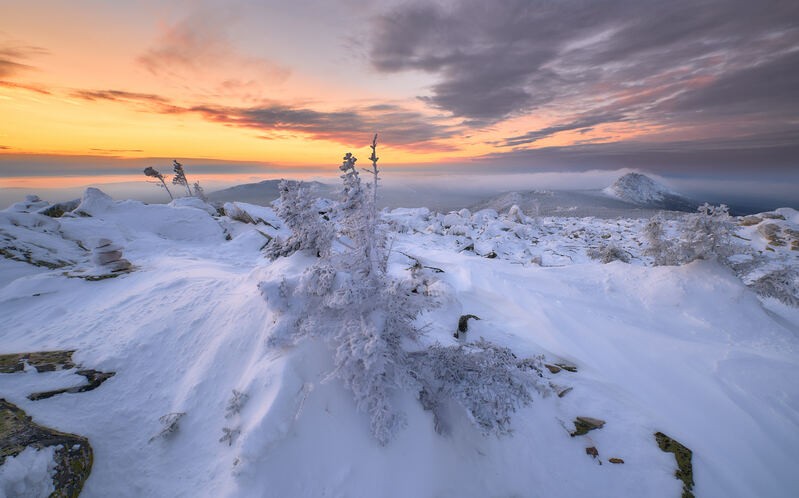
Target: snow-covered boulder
(30, 204)
(193, 202)
(94, 202)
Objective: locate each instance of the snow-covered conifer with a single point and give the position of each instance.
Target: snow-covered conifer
(309, 230)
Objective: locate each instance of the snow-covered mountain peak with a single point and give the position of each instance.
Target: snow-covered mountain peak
(639, 189)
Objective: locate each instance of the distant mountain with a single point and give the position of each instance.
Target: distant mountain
(572, 203)
(262, 193)
(643, 191)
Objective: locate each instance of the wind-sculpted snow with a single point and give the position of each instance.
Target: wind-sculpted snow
(689, 351)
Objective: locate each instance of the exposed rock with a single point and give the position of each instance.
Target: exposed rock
(615, 460)
(59, 209)
(582, 425)
(553, 368)
(94, 378)
(463, 324)
(564, 392)
(683, 455)
(108, 256)
(51, 361)
(748, 221)
(73, 456)
(43, 361)
(567, 367)
(591, 450)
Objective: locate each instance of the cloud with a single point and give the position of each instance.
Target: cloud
(398, 126)
(119, 96)
(197, 50)
(25, 86)
(766, 153)
(496, 60)
(582, 125)
(12, 56)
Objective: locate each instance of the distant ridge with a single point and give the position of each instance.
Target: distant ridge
(261, 193)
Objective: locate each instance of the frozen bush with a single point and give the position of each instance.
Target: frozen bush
(702, 235)
(235, 404)
(484, 379)
(170, 423)
(180, 176)
(229, 435)
(607, 253)
(782, 284)
(153, 173)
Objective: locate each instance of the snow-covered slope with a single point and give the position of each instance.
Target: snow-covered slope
(689, 351)
(641, 190)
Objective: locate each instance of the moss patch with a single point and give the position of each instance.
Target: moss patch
(73, 455)
(42, 361)
(685, 470)
(584, 424)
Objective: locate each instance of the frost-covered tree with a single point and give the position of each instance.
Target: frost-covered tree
(309, 230)
(366, 316)
(154, 173)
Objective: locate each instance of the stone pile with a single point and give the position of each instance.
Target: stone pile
(109, 256)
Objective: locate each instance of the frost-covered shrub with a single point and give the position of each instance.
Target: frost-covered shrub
(180, 176)
(607, 253)
(154, 173)
(782, 284)
(309, 230)
(702, 235)
(229, 435)
(235, 403)
(199, 192)
(170, 423)
(484, 379)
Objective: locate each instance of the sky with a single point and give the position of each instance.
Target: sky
(253, 89)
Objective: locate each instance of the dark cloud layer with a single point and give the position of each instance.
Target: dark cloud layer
(680, 63)
(353, 127)
(759, 154)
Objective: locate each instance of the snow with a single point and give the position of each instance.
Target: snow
(689, 351)
(28, 474)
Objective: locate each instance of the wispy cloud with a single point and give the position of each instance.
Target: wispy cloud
(198, 51)
(583, 124)
(14, 58)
